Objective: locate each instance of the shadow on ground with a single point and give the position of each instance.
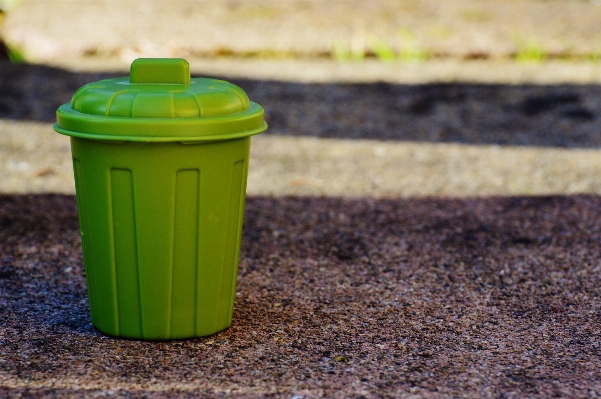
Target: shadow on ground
(336, 298)
(530, 115)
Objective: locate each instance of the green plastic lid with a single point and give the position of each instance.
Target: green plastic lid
(160, 102)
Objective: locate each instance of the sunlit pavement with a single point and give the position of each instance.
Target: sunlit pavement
(34, 159)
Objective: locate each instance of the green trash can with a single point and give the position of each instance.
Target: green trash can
(160, 163)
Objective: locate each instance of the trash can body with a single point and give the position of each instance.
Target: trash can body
(161, 226)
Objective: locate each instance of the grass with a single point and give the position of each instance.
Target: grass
(15, 55)
(592, 57)
(382, 50)
(342, 52)
(408, 49)
(529, 50)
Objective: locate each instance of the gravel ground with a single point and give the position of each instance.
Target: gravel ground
(495, 297)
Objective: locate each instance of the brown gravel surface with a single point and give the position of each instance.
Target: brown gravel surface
(495, 297)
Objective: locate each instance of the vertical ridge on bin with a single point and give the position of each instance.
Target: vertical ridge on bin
(83, 227)
(125, 254)
(185, 254)
(240, 221)
(230, 254)
(111, 265)
(154, 191)
(212, 241)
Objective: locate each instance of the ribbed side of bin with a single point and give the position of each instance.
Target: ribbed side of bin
(161, 234)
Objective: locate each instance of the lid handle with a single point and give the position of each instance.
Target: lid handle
(160, 70)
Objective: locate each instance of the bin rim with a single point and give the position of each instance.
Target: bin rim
(112, 128)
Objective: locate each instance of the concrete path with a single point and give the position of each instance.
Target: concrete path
(34, 159)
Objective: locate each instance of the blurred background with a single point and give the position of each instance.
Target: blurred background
(377, 98)
(59, 31)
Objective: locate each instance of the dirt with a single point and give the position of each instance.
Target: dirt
(495, 297)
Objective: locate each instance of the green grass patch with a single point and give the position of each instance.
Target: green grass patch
(410, 48)
(382, 50)
(529, 50)
(15, 55)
